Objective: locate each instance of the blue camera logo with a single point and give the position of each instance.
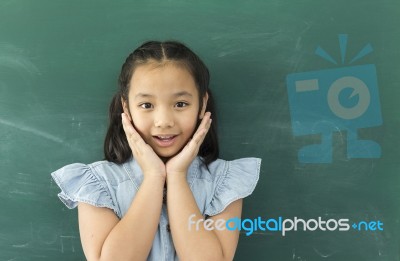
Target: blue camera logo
(341, 99)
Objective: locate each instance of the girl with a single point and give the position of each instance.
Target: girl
(161, 178)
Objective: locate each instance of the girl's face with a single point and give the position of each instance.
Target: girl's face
(164, 106)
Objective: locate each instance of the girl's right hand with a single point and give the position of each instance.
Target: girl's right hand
(151, 164)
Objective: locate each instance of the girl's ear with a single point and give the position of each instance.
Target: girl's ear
(125, 109)
(204, 107)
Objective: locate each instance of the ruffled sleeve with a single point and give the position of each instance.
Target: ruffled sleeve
(78, 183)
(238, 179)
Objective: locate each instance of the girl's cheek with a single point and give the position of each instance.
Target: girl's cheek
(141, 125)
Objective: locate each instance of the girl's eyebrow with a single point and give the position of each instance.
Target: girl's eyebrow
(143, 95)
(182, 93)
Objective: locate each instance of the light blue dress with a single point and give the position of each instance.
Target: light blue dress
(110, 185)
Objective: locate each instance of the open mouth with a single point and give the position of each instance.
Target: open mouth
(164, 140)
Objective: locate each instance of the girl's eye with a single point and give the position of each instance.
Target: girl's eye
(181, 104)
(146, 105)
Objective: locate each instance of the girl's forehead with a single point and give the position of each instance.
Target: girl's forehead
(154, 70)
(167, 78)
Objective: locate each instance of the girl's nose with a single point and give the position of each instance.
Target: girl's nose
(163, 119)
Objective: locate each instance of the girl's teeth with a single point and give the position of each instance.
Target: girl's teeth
(165, 137)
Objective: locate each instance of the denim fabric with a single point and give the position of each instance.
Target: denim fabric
(106, 184)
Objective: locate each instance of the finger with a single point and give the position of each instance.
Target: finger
(128, 128)
(129, 132)
(205, 123)
(202, 131)
(132, 135)
(206, 118)
(199, 137)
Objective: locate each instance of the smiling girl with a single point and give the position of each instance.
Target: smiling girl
(161, 167)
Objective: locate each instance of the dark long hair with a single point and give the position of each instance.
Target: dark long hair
(116, 147)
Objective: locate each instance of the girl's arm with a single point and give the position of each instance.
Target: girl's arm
(201, 244)
(193, 244)
(105, 237)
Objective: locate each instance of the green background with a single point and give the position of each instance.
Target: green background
(59, 62)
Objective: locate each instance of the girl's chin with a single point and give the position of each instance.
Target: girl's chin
(165, 156)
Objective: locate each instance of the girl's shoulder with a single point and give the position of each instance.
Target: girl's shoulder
(222, 182)
(104, 171)
(92, 183)
(220, 168)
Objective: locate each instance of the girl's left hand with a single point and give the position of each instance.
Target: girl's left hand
(179, 164)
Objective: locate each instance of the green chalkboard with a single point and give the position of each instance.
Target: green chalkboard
(59, 62)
